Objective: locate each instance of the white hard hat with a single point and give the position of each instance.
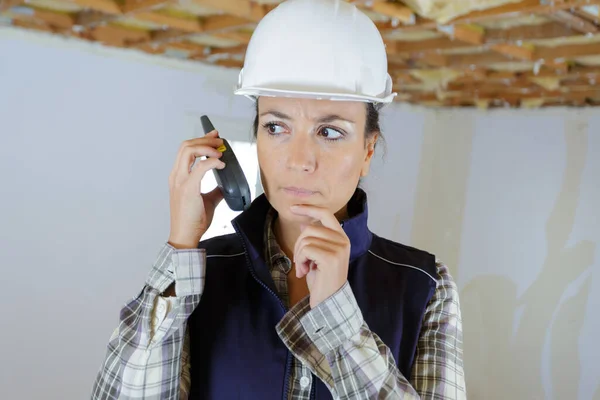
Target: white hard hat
(324, 49)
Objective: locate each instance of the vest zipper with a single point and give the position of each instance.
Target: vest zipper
(288, 361)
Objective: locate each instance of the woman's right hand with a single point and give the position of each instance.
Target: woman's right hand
(191, 211)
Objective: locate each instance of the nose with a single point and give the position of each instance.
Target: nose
(302, 153)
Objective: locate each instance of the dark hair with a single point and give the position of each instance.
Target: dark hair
(371, 125)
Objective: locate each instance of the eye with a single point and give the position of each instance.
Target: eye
(273, 128)
(331, 133)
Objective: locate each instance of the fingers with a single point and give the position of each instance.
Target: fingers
(320, 214)
(320, 233)
(312, 253)
(212, 135)
(202, 167)
(192, 149)
(323, 240)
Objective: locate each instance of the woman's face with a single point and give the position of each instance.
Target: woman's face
(311, 152)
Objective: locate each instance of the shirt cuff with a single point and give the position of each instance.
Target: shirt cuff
(185, 267)
(333, 321)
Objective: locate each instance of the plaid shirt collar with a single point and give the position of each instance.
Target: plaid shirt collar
(274, 256)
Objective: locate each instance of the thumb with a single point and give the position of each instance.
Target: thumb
(214, 197)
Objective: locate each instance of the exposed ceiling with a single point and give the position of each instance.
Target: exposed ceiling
(463, 53)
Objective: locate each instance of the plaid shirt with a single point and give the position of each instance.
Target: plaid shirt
(148, 353)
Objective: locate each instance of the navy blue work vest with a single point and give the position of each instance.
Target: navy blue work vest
(235, 351)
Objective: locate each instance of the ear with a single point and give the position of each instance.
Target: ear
(370, 151)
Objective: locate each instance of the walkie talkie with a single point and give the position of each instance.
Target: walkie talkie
(231, 179)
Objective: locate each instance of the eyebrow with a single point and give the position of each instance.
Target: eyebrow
(325, 119)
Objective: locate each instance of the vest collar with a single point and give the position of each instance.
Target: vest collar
(251, 224)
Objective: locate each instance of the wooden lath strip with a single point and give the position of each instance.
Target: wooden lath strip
(230, 63)
(392, 10)
(472, 34)
(240, 8)
(51, 19)
(183, 24)
(105, 6)
(525, 53)
(241, 37)
(567, 51)
(33, 24)
(130, 6)
(192, 49)
(92, 18)
(582, 13)
(218, 23)
(549, 30)
(119, 36)
(577, 23)
(405, 47)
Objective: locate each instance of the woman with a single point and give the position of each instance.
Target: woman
(303, 301)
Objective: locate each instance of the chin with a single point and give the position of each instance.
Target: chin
(283, 204)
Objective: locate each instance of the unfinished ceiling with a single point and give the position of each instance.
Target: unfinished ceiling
(463, 53)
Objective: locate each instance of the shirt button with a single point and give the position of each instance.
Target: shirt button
(304, 382)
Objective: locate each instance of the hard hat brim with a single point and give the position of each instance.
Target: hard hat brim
(254, 92)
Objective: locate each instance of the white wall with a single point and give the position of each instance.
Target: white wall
(509, 199)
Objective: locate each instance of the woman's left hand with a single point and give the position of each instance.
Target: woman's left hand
(322, 253)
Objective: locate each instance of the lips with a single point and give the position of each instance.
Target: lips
(299, 192)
